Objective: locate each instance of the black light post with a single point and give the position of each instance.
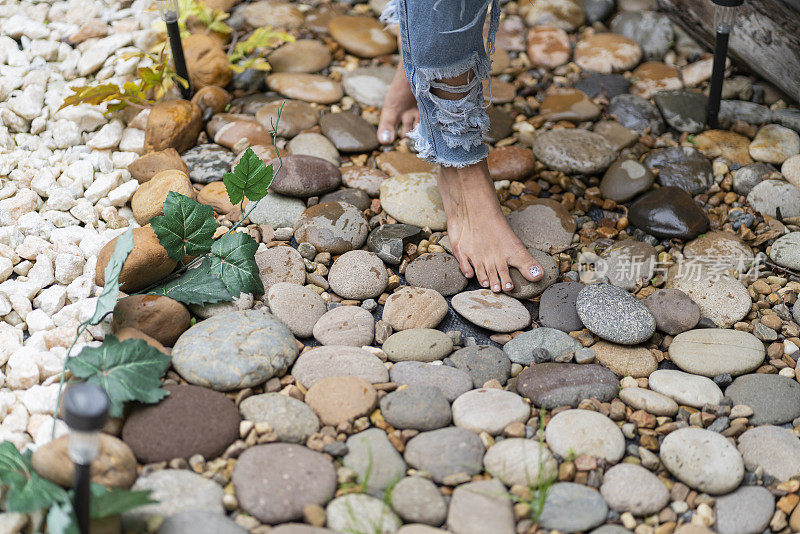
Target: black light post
(724, 19)
(170, 11)
(85, 412)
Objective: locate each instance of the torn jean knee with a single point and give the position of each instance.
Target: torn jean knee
(389, 14)
(450, 132)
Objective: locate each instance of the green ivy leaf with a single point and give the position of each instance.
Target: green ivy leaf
(250, 178)
(196, 286)
(27, 491)
(233, 262)
(186, 228)
(115, 501)
(130, 370)
(108, 298)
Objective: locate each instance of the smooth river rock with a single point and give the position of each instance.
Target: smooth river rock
(703, 460)
(714, 351)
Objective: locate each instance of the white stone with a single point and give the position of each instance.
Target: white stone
(10, 341)
(108, 136)
(703, 460)
(40, 399)
(685, 388)
(489, 410)
(714, 351)
(28, 103)
(585, 432)
(103, 183)
(37, 321)
(132, 141)
(122, 194)
(520, 461)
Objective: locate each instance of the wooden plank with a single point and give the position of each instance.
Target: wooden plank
(766, 39)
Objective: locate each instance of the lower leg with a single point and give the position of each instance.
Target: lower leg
(480, 236)
(399, 107)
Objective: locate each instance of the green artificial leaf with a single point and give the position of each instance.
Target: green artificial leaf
(108, 298)
(233, 262)
(129, 370)
(61, 519)
(250, 178)
(115, 501)
(195, 286)
(186, 228)
(27, 491)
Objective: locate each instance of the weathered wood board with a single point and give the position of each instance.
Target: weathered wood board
(766, 39)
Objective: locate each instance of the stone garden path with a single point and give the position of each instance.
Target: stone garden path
(647, 383)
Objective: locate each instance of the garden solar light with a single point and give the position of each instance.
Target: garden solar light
(85, 412)
(170, 12)
(724, 19)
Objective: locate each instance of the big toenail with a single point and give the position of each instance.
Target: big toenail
(386, 136)
(535, 271)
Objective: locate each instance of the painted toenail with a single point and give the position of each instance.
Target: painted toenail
(509, 286)
(386, 136)
(535, 271)
(496, 287)
(485, 284)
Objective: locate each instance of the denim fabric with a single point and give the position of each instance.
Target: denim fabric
(444, 39)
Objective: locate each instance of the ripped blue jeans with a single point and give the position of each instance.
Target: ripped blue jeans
(443, 39)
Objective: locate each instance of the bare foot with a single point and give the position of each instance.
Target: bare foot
(480, 235)
(399, 109)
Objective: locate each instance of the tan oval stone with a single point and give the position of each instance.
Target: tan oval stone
(568, 105)
(714, 351)
(605, 53)
(148, 200)
(365, 178)
(652, 77)
(394, 163)
(362, 36)
(637, 362)
(215, 195)
(548, 47)
(649, 401)
(414, 199)
(727, 144)
(173, 124)
(341, 399)
(212, 98)
(493, 311)
(295, 117)
(346, 325)
(145, 167)
(115, 465)
(229, 129)
(565, 14)
(774, 144)
(158, 316)
(414, 307)
(303, 55)
(206, 61)
(306, 87)
(146, 264)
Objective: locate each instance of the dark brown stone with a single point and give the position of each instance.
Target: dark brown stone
(158, 316)
(173, 124)
(305, 176)
(510, 163)
(549, 385)
(191, 420)
(668, 212)
(349, 132)
(145, 167)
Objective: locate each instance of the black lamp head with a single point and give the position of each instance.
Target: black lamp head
(85, 407)
(728, 3)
